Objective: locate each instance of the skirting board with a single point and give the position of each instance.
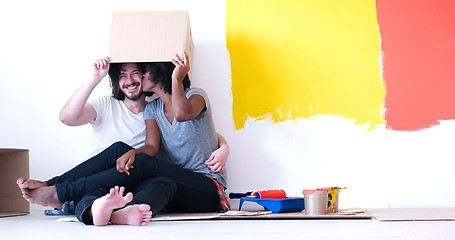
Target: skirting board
(413, 214)
(241, 215)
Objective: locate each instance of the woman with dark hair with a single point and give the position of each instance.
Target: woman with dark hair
(182, 118)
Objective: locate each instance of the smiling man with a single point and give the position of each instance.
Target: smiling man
(113, 118)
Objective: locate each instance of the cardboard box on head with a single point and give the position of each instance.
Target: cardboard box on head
(150, 36)
(15, 164)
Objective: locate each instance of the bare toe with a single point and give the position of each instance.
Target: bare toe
(138, 215)
(103, 207)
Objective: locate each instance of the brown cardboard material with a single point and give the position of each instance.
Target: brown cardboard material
(242, 215)
(149, 36)
(413, 214)
(15, 164)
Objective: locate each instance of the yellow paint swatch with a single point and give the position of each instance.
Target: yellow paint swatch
(293, 58)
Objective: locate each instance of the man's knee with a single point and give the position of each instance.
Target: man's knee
(120, 148)
(142, 158)
(141, 162)
(120, 144)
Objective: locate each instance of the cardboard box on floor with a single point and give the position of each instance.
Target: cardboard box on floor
(149, 36)
(14, 164)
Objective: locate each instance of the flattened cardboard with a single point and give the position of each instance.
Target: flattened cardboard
(413, 214)
(149, 36)
(15, 164)
(240, 215)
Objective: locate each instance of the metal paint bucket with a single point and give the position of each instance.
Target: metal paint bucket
(315, 202)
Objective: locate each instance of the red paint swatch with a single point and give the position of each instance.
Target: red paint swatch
(418, 42)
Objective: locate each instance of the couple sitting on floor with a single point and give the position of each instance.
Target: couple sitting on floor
(181, 120)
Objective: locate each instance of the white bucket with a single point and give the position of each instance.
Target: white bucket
(315, 202)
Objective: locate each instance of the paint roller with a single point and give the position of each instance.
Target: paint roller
(273, 194)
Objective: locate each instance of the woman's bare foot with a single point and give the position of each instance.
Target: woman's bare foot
(45, 196)
(102, 207)
(137, 214)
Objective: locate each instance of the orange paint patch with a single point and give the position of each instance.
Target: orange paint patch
(418, 43)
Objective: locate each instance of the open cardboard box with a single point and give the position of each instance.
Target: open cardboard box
(14, 164)
(154, 36)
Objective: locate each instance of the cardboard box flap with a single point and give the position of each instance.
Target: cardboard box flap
(149, 36)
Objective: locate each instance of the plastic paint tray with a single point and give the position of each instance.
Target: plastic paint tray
(293, 204)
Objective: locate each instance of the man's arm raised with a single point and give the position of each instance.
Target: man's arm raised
(77, 111)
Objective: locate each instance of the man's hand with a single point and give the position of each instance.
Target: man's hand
(125, 162)
(100, 69)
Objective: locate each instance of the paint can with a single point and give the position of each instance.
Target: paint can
(333, 198)
(332, 206)
(332, 203)
(315, 201)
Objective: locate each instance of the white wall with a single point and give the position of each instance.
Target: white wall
(46, 48)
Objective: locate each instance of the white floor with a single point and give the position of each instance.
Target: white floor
(38, 226)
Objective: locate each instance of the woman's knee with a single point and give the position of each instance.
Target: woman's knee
(163, 182)
(171, 184)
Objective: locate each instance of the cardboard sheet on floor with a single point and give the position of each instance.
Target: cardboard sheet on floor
(241, 215)
(413, 214)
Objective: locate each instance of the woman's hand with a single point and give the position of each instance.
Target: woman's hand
(125, 162)
(217, 160)
(182, 67)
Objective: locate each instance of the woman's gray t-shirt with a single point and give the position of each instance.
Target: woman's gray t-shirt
(188, 143)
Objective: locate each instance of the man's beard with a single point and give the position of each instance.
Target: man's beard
(134, 97)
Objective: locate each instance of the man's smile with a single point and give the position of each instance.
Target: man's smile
(131, 87)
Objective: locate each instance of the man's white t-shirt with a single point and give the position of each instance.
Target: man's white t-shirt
(115, 122)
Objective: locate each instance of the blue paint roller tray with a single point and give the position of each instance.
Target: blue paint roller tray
(292, 204)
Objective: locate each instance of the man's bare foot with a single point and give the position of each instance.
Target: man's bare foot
(45, 196)
(102, 207)
(137, 214)
(29, 184)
